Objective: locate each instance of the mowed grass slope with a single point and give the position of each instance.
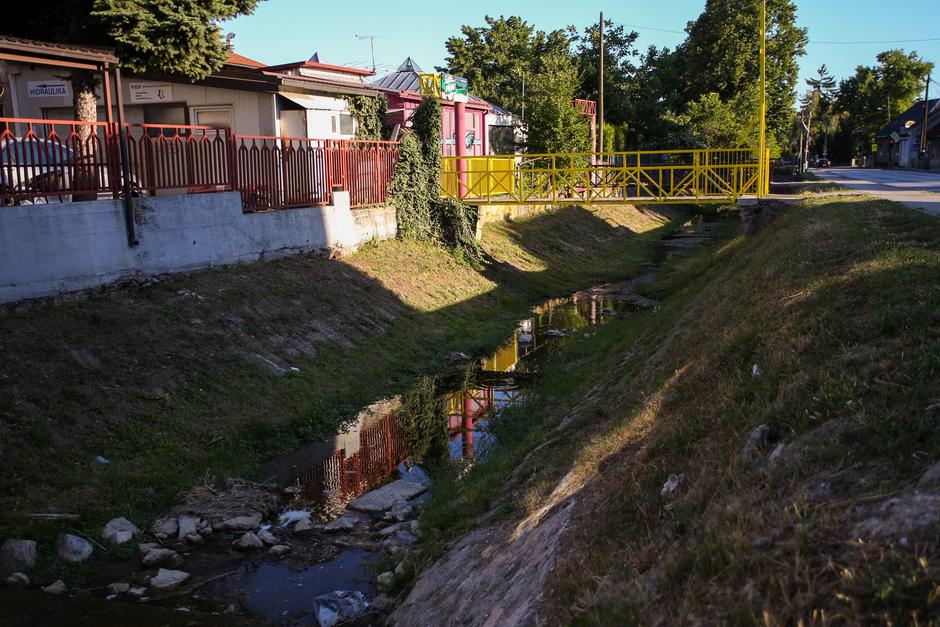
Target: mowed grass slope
(838, 303)
(190, 378)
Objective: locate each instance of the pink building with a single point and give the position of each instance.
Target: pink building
(403, 92)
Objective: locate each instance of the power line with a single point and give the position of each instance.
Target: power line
(888, 41)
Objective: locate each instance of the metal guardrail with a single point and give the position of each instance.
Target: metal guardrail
(651, 177)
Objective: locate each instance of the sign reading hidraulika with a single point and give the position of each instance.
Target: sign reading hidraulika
(150, 92)
(47, 89)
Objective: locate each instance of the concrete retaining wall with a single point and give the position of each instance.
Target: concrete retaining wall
(46, 250)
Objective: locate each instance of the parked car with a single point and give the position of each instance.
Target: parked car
(822, 162)
(38, 171)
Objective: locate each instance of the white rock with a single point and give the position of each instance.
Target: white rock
(158, 556)
(18, 580)
(266, 537)
(73, 548)
(187, 524)
(194, 538)
(248, 541)
(249, 522)
(345, 522)
(390, 530)
(385, 580)
(303, 524)
(58, 587)
(118, 588)
(387, 496)
(136, 591)
(165, 527)
(756, 372)
(292, 516)
(400, 510)
(279, 549)
(145, 547)
(119, 531)
(168, 579)
(672, 484)
(17, 555)
(757, 441)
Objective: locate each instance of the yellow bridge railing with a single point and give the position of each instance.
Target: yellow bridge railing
(649, 177)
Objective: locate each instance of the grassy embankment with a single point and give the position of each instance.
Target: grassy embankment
(176, 381)
(838, 302)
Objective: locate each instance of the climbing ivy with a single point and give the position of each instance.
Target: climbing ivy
(421, 211)
(369, 112)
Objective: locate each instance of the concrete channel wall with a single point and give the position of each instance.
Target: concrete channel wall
(52, 249)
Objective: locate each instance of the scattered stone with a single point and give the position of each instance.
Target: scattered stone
(304, 524)
(414, 473)
(776, 455)
(267, 537)
(384, 498)
(346, 522)
(119, 588)
(756, 372)
(119, 531)
(401, 568)
(166, 527)
(17, 580)
(249, 522)
(672, 484)
(414, 526)
(903, 515)
(204, 528)
(187, 524)
(292, 516)
(168, 579)
(231, 609)
(458, 357)
(404, 538)
(58, 587)
(101, 459)
(73, 548)
(339, 606)
(195, 539)
(136, 591)
(279, 549)
(930, 480)
(756, 443)
(385, 580)
(145, 547)
(382, 602)
(401, 510)
(248, 541)
(159, 556)
(17, 555)
(554, 333)
(390, 530)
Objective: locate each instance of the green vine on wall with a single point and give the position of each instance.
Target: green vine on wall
(422, 213)
(369, 113)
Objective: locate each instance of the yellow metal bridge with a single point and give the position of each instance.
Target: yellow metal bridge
(651, 176)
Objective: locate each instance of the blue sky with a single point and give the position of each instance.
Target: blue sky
(290, 30)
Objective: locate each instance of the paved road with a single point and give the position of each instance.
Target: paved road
(916, 189)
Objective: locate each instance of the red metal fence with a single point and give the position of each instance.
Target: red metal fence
(52, 161)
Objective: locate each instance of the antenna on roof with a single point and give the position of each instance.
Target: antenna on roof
(371, 39)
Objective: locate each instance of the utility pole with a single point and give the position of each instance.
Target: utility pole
(600, 139)
(762, 165)
(923, 131)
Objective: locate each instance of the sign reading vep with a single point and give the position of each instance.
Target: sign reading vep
(49, 89)
(150, 92)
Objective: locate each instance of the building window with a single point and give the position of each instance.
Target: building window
(347, 124)
(216, 117)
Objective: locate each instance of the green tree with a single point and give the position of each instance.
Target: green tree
(721, 56)
(498, 58)
(874, 95)
(554, 125)
(172, 37)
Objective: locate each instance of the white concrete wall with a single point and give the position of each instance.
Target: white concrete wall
(51, 249)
